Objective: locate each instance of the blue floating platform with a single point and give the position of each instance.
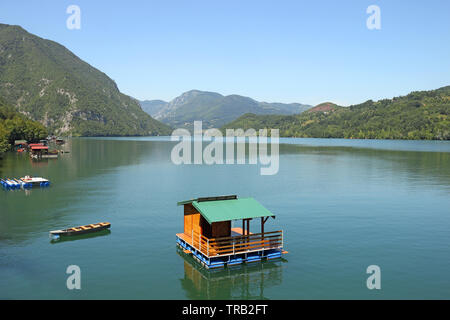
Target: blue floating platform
(15, 184)
(231, 260)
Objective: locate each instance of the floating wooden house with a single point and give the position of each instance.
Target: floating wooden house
(40, 151)
(208, 234)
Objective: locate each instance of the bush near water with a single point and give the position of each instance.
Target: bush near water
(15, 126)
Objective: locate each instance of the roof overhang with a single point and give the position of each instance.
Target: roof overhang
(227, 208)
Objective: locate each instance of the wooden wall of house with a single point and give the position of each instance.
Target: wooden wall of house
(221, 229)
(206, 227)
(193, 220)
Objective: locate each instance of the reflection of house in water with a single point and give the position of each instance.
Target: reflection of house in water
(37, 164)
(238, 282)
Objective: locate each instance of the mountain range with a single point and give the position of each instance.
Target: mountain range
(214, 109)
(420, 115)
(46, 82)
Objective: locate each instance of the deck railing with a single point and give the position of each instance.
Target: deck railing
(238, 244)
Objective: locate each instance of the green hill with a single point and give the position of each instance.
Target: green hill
(419, 115)
(48, 83)
(212, 108)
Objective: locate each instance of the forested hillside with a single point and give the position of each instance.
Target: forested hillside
(14, 126)
(46, 82)
(418, 115)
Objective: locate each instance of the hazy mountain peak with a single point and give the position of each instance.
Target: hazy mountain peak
(213, 108)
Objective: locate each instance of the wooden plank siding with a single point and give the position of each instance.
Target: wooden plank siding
(193, 220)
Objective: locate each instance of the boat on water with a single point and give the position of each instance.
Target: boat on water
(35, 181)
(90, 228)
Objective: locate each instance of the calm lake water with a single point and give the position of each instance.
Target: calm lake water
(343, 205)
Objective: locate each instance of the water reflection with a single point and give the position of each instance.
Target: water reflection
(246, 281)
(426, 167)
(356, 203)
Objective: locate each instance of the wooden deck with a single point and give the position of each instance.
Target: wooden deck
(236, 244)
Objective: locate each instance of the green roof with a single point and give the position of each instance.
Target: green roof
(226, 210)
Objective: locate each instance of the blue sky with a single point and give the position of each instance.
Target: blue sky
(285, 51)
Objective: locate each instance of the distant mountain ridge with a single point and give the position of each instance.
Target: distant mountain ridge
(152, 106)
(420, 115)
(212, 108)
(46, 82)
